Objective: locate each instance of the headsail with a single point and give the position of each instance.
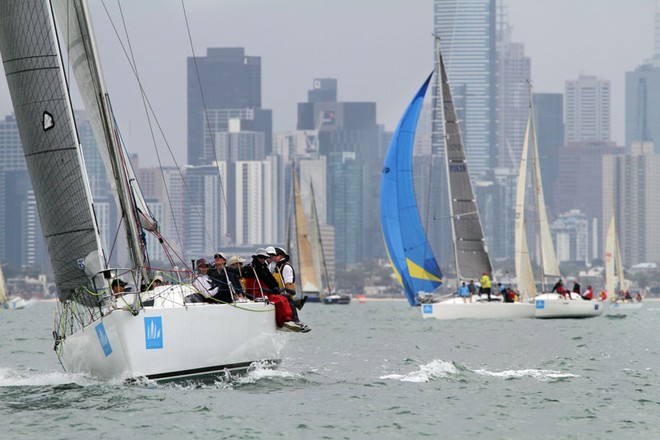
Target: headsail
(405, 239)
(610, 257)
(471, 253)
(33, 66)
(523, 264)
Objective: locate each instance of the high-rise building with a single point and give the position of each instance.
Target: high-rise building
(514, 73)
(579, 184)
(587, 103)
(467, 31)
(348, 132)
(347, 207)
(230, 91)
(573, 236)
(549, 123)
(630, 189)
(643, 98)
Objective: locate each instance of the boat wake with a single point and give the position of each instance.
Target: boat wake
(26, 378)
(541, 375)
(436, 369)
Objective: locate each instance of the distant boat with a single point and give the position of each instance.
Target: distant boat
(10, 302)
(548, 305)
(614, 275)
(337, 298)
(405, 238)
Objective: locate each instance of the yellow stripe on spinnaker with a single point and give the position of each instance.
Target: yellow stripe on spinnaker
(417, 271)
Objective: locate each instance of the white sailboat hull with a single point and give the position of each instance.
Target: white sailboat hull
(455, 308)
(554, 306)
(172, 342)
(16, 303)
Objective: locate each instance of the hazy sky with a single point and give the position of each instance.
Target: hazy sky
(379, 50)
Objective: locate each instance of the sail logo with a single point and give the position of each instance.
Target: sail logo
(103, 339)
(427, 308)
(153, 332)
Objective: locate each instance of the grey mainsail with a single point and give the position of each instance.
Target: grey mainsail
(34, 71)
(471, 253)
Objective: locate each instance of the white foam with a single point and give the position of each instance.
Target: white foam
(542, 375)
(14, 378)
(435, 369)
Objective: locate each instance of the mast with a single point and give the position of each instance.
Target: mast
(76, 18)
(441, 79)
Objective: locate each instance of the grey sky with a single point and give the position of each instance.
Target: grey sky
(379, 50)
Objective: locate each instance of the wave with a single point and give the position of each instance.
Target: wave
(541, 375)
(15, 378)
(436, 369)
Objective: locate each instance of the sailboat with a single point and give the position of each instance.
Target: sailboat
(10, 302)
(614, 274)
(548, 305)
(312, 265)
(408, 248)
(154, 333)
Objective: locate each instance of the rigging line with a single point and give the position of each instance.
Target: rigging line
(162, 133)
(147, 104)
(206, 116)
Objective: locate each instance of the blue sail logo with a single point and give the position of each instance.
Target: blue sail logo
(153, 332)
(103, 339)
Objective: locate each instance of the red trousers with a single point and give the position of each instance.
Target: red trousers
(282, 307)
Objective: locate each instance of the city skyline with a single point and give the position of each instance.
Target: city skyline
(377, 52)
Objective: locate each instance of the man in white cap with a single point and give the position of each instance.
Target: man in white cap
(271, 261)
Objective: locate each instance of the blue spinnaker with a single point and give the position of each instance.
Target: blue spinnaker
(405, 239)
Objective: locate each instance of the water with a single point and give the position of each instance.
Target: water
(366, 371)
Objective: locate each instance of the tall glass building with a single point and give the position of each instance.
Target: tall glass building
(467, 31)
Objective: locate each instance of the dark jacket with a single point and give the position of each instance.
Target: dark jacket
(219, 280)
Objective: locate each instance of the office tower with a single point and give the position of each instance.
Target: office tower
(205, 215)
(643, 100)
(231, 95)
(347, 207)
(467, 31)
(255, 202)
(587, 103)
(579, 183)
(573, 236)
(630, 189)
(347, 127)
(549, 122)
(514, 73)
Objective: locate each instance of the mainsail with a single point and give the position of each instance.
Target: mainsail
(549, 263)
(34, 70)
(405, 239)
(308, 275)
(523, 264)
(471, 253)
(613, 263)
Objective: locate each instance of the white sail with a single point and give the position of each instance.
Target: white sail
(549, 262)
(3, 287)
(610, 251)
(309, 277)
(523, 264)
(470, 249)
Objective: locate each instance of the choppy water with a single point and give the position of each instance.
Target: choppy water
(374, 370)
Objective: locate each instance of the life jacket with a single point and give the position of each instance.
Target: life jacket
(277, 273)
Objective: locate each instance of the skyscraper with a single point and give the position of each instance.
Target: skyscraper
(643, 98)
(587, 103)
(514, 72)
(549, 124)
(227, 84)
(467, 30)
